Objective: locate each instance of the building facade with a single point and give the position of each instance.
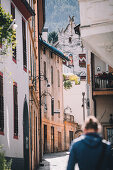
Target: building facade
(97, 36)
(52, 98)
(100, 81)
(14, 83)
(35, 26)
(20, 130)
(70, 44)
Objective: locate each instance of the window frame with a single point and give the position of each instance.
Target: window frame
(24, 45)
(2, 96)
(14, 51)
(52, 75)
(15, 136)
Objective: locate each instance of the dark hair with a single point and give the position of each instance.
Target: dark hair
(92, 123)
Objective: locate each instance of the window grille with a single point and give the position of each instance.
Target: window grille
(24, 44)
(15, 100)
(51, 74)
(1, 104)
(52, 106)
(44, 70)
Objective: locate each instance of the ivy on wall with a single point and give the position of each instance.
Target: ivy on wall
(7, 34)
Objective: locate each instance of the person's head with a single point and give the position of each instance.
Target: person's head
(92, 125)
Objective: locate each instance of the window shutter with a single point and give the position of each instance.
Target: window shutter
(15, 110)
(52, 106)
(13, 16)
(82, 60)
(24, 44)
(1, 104)
(44, 70)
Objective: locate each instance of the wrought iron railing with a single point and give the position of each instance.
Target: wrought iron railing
(103, 81)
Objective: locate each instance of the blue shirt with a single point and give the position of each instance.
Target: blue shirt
(86, 151)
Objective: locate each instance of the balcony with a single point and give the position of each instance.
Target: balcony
(103, 84)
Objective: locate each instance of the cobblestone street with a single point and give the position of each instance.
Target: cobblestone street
(55, 161)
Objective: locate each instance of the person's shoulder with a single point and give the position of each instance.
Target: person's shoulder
(79, 139)
(106, 142)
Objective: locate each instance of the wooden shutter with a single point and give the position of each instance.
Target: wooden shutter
(82, 60)
(15, 110)
(24, 45)
(44, 70)
(1, 105)
(52, 106)
(13, 16)
(51, 74)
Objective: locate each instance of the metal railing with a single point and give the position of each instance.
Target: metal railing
(103, 81)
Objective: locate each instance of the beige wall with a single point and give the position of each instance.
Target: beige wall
(104, 107)
(57, 92)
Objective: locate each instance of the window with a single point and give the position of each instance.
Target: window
(70, 39)
(52, 106)
(51, 74)
(1, 105)
(51, 54)
(24, 45)
(45, 104)
(44, 70)
(58, 78)
(82, 60)
(13, 48)
(59, 108)
(44, 50)
(15, 103)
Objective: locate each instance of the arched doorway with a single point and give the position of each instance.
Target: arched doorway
(26, 135)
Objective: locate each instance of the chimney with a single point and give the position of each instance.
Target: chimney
(45, 34)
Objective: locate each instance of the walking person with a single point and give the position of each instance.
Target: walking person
(90, 151)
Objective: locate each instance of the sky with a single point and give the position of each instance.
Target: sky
(58, 11)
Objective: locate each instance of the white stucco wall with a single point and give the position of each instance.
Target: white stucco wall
(14, 73)
(73, 48)
(73, 99)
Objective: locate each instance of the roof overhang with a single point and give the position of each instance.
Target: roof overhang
(24, 7)
(54, 50)
(97, 28)
(41, 11)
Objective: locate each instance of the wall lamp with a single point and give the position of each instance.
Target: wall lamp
(41, 77)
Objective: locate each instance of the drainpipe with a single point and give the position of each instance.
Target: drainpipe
(40, 142)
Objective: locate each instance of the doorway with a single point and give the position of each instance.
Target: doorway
(52, 139)
(26, 136)
(45, 138)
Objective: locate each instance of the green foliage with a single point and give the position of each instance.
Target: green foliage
(7, 34)
(53, 37)
(4, 165)
(67, 84)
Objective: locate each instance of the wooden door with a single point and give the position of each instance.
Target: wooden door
(59, 142)
(45, 138)
(52, 139)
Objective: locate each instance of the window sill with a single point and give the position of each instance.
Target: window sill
(1, 133)
(14, 60)
(15, 137)
(25, 69)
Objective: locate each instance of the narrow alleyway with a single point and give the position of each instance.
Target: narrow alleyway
(55, 161)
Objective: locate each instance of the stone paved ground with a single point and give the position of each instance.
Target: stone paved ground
(55, 161)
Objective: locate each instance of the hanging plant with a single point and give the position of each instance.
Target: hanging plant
(7, 34)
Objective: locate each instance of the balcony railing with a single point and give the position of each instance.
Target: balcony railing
(68, 117)
(103, 81)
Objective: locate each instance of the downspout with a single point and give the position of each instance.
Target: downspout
(40, 142)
